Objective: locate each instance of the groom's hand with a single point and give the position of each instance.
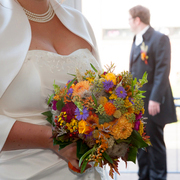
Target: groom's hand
(153, 108)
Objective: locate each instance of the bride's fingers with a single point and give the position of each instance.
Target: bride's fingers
(75, 163)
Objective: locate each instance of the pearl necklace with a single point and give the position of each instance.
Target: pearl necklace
(41, 18)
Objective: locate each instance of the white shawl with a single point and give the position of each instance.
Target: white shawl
(15, 36)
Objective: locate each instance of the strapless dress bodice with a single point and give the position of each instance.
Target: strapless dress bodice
(25, 98)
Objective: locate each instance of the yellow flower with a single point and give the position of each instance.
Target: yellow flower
(142, 110)
(113, 96)
(90, 79)
(122, 129)
(111, 77)
(117, 114)
(141, 128)
(83, 128)
(102, 100)
(127, 103)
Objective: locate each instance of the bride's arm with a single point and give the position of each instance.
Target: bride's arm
(30, 136)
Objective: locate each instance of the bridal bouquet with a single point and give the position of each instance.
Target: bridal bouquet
(103, 113)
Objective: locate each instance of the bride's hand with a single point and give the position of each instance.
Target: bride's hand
(68, 154)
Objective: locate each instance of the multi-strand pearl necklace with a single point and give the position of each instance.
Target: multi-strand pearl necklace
(41, 18)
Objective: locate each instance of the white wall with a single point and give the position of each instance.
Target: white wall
(73, 3)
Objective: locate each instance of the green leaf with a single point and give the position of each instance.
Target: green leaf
(79, 105)
(123, 141)
(84, 156)
(136, 140)
(134, 81)
(103, 119)
(72, 74)
(94, 98)
(60, 105)
(83, 167)
(56, 88)
(81, 148)
(50, 98)
(141, 92)
(47, 113)
(144, 79)
(93, 68)
(60, 143)
(50, 120)
(107, 157)
(70, 84)
(49, 117)
(132, 153)
(133, 84)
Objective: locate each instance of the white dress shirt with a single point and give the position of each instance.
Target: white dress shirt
(139, 38)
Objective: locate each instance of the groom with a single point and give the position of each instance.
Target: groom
(151, 53)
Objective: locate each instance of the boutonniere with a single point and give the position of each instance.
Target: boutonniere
(144, 56)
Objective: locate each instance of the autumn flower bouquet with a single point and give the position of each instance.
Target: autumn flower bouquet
(103, 113)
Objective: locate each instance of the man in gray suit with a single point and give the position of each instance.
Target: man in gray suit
(151, 52)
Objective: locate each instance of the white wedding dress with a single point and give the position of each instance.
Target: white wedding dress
(25, 100)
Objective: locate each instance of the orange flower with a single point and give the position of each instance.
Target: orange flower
(131, 110)
(57, 97)
(123, 128)
(80, 87)
(143, 56)
(92, 121)
(109, 108)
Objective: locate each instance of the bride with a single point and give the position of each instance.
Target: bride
(41, 41)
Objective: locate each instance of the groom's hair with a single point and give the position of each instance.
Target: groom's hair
(142, 12)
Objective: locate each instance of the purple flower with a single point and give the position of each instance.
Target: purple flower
(70, 91)
(69, 81)
(54, 105)
(111, 101)
(120, 92)
(139, 116)
(136, 125)
(108, 84)
(81, 115)
(88, 135)
(130, 99)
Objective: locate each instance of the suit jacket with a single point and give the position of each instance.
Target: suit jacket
(15, 36)
(158, 68)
